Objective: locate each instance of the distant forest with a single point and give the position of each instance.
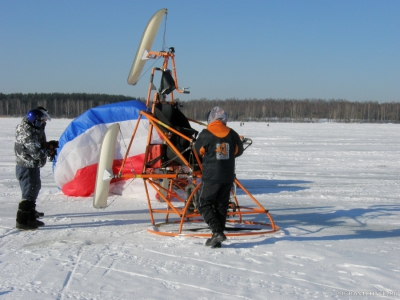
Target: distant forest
(257, 110)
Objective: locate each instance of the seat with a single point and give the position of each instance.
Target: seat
(170, 114)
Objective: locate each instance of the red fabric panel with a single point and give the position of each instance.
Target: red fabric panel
(85, 179)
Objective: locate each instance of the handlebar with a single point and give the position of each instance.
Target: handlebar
(247, 143)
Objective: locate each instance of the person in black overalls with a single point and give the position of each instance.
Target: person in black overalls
(218, 145)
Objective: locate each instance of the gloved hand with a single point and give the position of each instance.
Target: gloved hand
(52, 149)
(243, 139)
(53, 143)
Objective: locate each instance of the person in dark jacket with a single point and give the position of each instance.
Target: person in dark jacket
(31, 152)
(218, 145)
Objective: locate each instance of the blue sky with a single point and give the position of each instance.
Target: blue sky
(339, 49)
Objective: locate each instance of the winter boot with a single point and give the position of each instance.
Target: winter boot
(35, 215)
(38, 214)
(217, 245)
(216, 240)
(38, 223)
(24, 219)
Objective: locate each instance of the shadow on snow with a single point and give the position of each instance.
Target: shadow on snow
(101, 219)
(266, 186)
(314, 223)
(325, 223)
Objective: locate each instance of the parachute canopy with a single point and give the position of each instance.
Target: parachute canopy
(76, 162)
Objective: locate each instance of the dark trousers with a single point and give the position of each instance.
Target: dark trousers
(29, 181)
(214, 203)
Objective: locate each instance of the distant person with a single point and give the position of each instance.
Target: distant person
(31, 150)
(218, 145)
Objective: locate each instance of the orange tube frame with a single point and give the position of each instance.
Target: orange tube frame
(183, 214)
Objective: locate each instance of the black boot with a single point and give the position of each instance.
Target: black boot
(216, 240)
(217, 245)
(38, 214)
(38, 223)
(24, 220)
(34, 215)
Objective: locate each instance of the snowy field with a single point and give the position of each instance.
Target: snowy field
(334, 190)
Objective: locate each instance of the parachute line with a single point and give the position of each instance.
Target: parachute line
(144, 73)
(130, 181)
(126, 147)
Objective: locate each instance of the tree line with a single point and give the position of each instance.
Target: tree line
(292, 110)
(59, 105)
(261, 110)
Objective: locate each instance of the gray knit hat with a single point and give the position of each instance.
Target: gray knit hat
(217, 113)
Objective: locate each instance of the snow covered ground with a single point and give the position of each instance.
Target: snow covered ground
(334, 190)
